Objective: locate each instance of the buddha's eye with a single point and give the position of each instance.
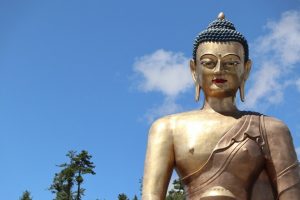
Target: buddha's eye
(231, 63)
(208, 63)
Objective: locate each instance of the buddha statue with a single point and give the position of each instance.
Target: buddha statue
(220, 152)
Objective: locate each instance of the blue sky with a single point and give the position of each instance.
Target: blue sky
(81, 75)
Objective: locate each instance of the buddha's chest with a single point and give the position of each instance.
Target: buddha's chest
(194, 142)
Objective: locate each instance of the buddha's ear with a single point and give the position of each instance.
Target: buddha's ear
(248, 65)
(196, 79)
(193, 70)
(246, 75)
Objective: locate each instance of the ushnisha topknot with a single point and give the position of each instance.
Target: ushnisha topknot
(220, 30)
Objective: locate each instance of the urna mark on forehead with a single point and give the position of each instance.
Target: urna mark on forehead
(221, 31)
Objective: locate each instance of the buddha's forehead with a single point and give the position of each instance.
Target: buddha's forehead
(220, 49)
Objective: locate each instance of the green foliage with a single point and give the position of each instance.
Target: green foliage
(135, 197)
(123, 196)
(141, 186)
(71, 174)
(26, 196)
(178, 192)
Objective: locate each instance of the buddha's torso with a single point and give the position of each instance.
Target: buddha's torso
(235, 166)
(195, 136)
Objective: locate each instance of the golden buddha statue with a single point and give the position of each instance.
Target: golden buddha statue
(220, 152)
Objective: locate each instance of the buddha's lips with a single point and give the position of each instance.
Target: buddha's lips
(219, 80)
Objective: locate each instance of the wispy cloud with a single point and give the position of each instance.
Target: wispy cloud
(166, 72)
(298, 84)
(298, 152)
(169, 106)
(277, 54)
(265, 85)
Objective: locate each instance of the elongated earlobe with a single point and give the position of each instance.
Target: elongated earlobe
(242, 91)
(197, 92)
(196, 80)
(246, 75)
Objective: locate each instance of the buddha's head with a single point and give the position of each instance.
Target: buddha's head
(220, 64)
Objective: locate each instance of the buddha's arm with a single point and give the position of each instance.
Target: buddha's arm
(282, 164)
(159, 161)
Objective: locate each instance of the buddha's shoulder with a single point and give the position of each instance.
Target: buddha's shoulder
(275, 126)
(167, 124)
(173, 119)
(271, 124)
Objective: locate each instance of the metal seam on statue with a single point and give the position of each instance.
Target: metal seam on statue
(291, 186)
(284, 171)
(265, 137)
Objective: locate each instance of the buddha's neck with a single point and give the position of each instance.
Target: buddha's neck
(221, 105)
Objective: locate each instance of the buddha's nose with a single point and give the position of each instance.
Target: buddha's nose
(218, 67)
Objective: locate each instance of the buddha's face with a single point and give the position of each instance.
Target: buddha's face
(220, 68)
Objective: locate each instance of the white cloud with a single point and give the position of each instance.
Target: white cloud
(265, 85)
(283, 39)
(277, 53)
(166, 72)
(298, 84)
(298, 152)
(169, 106)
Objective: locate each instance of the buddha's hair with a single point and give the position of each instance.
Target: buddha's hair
(221, 30)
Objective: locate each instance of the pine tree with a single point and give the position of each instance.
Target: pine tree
(71, 174)
(26, 196)
(141, 186)
(82, 165)
(135, 197)
(178, 192)
(123, 196)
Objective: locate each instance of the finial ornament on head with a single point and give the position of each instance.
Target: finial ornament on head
(221, 16)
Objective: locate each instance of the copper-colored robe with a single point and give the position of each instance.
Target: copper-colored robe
(240, 163)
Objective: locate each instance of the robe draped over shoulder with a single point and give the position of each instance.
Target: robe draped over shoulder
(237, 165)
